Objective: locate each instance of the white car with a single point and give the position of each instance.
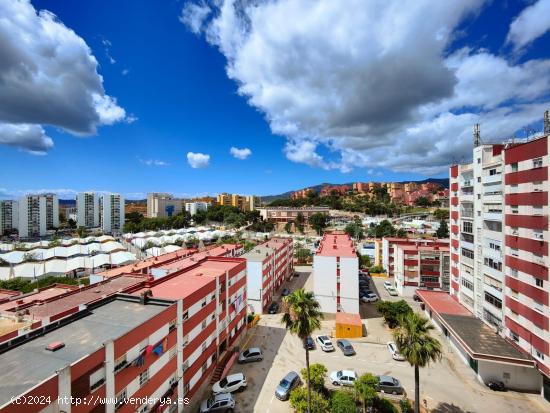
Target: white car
(369, 298)
(395, 354)
(229, 384)
(387, 284)
(392, 291)
(343, 377)
(325, 343)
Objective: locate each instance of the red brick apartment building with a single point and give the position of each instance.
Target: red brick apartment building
(160, 333)
(389, 248)
(268, 266)
(499, 243)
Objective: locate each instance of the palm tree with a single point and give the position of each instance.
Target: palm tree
(302, 316)
(419, 348)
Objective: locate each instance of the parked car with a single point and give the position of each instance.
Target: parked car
(395, 354)
(289, 382)
(387, 284)
(325, 343)
(229, 384)
(496, 385)
(273, 308)
(219, 403)
(285, 292)
(389, 384)
(346, 347)
(369, 298)
(309, 343)
(250, 355)
(392, 291)
(343, 377)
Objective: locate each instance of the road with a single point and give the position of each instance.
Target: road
(447, 387)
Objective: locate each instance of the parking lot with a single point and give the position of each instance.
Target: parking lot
(447, 387)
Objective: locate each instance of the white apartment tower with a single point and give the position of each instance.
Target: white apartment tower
(162, 205)
(112, 213)
(87, 207)
(194, 207)
(9, 216)
(37, 214)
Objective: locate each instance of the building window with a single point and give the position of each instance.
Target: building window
(538, 234)
(172, 325)
(468, 227)
(514, 273)
(514, 252)
(514, 167)
(467, 284)
(143, 409)
(538, 354)
(185, 388)
(478, 160)
(539, 282)
(538, 306)
(515, 209)
(468, 253)
(479, 179)
(489, 262)
(494, 301)
(537, 210)
(203, 303)
(537, 163)
(514, 336)
(172, 353)
(143, 377)
(203, 324)
(204, 368)
(120, 399)
(492, 282)
(213, 297)
(185, 365)
(186, 315)
(491, 318)
(514, 294)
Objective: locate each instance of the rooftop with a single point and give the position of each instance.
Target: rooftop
(261, 251)
(36, 296)
(336, 245)
(348, 319)
(29, 364)
(192, 259)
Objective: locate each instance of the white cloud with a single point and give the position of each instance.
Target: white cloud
(124, 72)
(193, 16)
(240, 153)
(372, 84)
(32, 138)
(48, 76)
(532, 22)
(198, 160)
(153, 162)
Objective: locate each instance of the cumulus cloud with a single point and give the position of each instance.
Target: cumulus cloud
(372, 84)
(153, 162)
(198, 160)
(48, 76)
(240, 153)
(532, 22)
(31, 137)
(193, 16)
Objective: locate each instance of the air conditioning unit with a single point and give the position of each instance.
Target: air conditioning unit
(539, 236)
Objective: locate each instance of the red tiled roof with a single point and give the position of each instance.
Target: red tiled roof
(442, 303)
(336, 245)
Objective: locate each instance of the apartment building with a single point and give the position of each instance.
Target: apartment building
(243, 202)
(133, 349)
(194, 207)
(37, 215)
(112, 213)
(421, 267)
(302, 193)
(268, 266)
(336, 274)
(286, 214)
(163, 205)
(87, 209)
(499, 242)
(9, 216)
(388, 249)
(339, 190)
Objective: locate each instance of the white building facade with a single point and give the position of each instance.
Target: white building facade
(336, 274)
(87, 209)
(9, 216)
(163, 205)
(112, 213)
(194, 207)
(37, 215)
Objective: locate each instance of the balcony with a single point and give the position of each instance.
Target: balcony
(491, 179)
(493, 216)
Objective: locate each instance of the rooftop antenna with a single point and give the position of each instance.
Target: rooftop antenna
(547, 122)
(477, 136)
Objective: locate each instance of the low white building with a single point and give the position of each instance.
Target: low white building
(336, 274)
(194, 207)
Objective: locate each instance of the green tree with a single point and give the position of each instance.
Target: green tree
(342, 401)
(318, 222)
(304, 402)
(302, 254)
(317, 376)
(81, 232)
(441, 214)
(365, 388)
(422, 201)
(299, 223)
(382, 405)
(393, 311)
(354, 230)
(302, 316)
(419, 348)
(288, 227)
(443, 230)
(383, 229)
(134, 217)
(364, 261)
(401, 233)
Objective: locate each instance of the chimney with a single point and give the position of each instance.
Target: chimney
(477, 136)
(547, 122)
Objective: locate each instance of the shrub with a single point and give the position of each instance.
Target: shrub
(393, 311)
(405, 406)
(342, 401)
(298, 401)
(317, 376)
(382, 405)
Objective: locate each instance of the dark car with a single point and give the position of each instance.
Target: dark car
(346, 347)
(273, 308)
(496, 385)
(285, 292)
(389, 384)
(309, 343)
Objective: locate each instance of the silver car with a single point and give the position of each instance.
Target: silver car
(219, 403)
(289, 382)
(250, 355)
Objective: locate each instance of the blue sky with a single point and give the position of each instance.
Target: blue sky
(194, 84)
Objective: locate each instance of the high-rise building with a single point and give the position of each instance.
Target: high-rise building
(243, 202)
(499, 242)
(194, 207)
(336, 274)
(112, 213)
(37, 214)
(163, 205)
(87, 207)
(9, 216)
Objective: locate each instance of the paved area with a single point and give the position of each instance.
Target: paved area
(447, 387)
